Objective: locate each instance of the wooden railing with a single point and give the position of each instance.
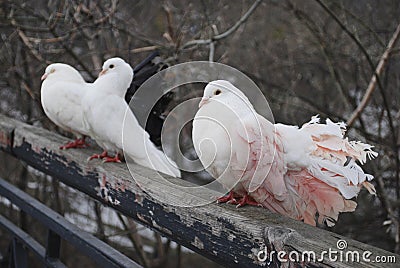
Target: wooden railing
(232, 237)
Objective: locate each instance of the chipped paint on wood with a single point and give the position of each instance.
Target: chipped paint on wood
(139, 199)
(104, 191)
(229, 236)
(197, 243)
(161, 228)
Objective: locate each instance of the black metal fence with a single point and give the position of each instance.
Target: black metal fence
(58, 228)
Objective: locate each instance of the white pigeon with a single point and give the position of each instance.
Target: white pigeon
(61, 93)
(104, 113)
(306, 173)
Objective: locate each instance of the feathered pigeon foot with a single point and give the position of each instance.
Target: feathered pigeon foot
(115, 159)
(78, 143)
(246, 200)
(98, 156)
(227, 198)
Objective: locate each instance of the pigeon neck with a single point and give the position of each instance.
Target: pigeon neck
(240, 104)
(111, 84)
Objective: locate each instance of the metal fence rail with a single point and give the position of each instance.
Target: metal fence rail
(58, 228)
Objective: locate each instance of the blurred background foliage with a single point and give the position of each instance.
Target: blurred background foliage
(308, 57)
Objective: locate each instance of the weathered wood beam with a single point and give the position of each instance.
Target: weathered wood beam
(232, 237)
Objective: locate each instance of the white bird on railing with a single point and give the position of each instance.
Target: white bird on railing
(305, 173)
(61, 93)
(104, 112)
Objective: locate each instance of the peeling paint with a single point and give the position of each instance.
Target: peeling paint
(197, 243)
(36, 149)
(185, 218)
(119, 185)
(104, 191)
(163, 229)
(139, 199)
(113, 201)
(231, 237)
(216, 229)
(142, 218)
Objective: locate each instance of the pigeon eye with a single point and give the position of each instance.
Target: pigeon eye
(52, 70)
(217, 92)
(112, 66)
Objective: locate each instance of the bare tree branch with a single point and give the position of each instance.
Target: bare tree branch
(31, 49)
(362, 23)
(316, 32)
(378, 82)
(225, 34)
(212, 44)
(144, 49)
(134, 237)
(372, 84)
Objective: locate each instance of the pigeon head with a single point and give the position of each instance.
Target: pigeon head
(117, 74)
(61, 71)
(223, 91)
(117, 66)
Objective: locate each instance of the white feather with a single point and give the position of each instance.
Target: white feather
(113, 125)
(61, 93)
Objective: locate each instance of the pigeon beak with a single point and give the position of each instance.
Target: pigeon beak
(44, 76)
(203, 101)
(103, 72)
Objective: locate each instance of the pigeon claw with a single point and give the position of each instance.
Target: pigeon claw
(115, 159)
(78, 143)
(246, 200)
(98, 156)
(229, 198)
